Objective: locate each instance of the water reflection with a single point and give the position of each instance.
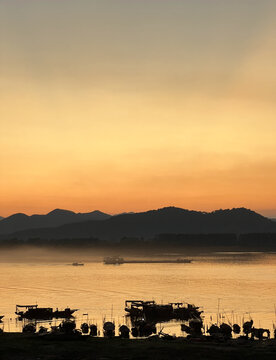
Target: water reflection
(244, 282)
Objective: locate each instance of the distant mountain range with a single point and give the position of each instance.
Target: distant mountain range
(144, 224)
(57, 217)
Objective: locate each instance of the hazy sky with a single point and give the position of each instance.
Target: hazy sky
(126, 105)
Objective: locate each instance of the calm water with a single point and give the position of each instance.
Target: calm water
(244, 284)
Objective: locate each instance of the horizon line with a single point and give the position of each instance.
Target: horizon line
(263, 212)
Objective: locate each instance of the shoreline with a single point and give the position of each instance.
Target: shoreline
(16, 346)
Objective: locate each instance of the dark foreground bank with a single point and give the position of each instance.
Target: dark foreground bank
(32, 347)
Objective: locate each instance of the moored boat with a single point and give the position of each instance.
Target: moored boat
(150, 310)
(33, 312)
(65, 314)
(135, 308)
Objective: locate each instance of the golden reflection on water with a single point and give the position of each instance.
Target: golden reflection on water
(244, 285)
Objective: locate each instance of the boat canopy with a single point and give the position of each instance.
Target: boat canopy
(26, 306)
(138, 302)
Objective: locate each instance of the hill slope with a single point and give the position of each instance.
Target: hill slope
(57, 217)
(166, 220)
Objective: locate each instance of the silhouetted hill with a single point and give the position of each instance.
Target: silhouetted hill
(57, 217)
(1, 218)
(166, 220)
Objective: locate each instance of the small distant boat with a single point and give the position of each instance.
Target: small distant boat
(77, 264)
(113, 260)
(183, 261)
(116, 260)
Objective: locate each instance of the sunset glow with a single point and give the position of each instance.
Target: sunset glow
(129, 105)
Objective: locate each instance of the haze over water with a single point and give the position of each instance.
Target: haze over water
(244, 285)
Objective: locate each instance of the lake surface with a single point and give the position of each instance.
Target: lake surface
(241, 285)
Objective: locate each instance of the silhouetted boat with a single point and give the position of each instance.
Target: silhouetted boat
(135, 308)
(77, 264)
(115, 260)
(66, 313)
(33, 312)
(161, 312)
(183, 311)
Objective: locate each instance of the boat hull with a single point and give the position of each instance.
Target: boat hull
(46, 314)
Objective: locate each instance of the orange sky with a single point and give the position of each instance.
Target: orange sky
(127, 105)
